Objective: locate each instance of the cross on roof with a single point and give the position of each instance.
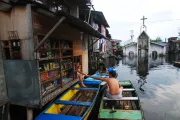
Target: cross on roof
(143, 19)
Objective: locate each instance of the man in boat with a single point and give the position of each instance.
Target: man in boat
(80, 74)
(114, 89)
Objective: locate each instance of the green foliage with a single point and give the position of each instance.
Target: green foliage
(130, 43)
(119, 47)
(157, 40)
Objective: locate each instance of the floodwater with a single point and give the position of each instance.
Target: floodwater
(157, 82)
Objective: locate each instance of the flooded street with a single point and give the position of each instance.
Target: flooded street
(157, 82)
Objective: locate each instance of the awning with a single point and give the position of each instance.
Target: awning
(99, 17)
(81, 25)
(75, 22)
(78, 23)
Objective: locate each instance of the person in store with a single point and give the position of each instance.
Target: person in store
(102, 68)
(80, 74)
(114, 89)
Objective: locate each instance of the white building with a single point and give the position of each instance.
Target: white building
(144, 47)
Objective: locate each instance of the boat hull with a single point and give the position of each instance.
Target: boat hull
(126, 108)
(75, 104)
(177, 64)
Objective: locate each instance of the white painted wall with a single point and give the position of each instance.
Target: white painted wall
(152, 47)
(133, 48)
(156, 62)
(159, 49)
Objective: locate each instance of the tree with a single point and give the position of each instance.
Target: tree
(158, 39)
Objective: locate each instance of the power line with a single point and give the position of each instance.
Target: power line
(148, 21)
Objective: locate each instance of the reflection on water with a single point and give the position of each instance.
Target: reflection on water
(157, 83)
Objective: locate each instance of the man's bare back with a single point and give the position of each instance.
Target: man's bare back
(114, 86)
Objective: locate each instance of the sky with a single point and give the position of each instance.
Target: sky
(163, 17)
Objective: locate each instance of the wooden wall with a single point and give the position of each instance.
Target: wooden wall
(19, 19)
(16, 19)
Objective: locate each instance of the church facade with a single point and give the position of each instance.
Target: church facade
(144, 47)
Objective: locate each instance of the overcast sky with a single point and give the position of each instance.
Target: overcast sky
(125, 15)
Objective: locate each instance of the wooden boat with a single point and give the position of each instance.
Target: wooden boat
(126, 108)
(177, 64)
(75, 104)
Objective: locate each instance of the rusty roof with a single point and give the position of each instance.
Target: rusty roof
(174, 41)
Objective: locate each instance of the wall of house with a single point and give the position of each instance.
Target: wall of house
(96, 45)
(128, 49)
(109, 46)
(158, 48)
(18, 19)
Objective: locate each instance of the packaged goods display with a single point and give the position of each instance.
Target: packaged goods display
(56, 64)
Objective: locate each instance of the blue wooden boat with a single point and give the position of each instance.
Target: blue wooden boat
(75, 104)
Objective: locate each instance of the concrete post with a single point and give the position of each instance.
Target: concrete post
(29, 114)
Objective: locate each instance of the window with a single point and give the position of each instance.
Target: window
(11, 49)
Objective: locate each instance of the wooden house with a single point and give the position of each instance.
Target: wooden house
(41, 42)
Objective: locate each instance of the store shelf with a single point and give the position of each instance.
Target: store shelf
(46, 50)
(50, 58)
(49, 70)
(50, 79)
(66, 80)
(66, 56)
(51, 90)
(66, 69)
(66, 49)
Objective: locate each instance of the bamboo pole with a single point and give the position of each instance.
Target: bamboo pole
(50, 32)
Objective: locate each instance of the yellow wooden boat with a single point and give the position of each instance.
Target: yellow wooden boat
(75, 104)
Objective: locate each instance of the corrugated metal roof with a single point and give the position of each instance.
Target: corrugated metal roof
(100, 18)
(160, 44)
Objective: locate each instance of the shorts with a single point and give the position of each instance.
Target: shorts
(108, 94)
